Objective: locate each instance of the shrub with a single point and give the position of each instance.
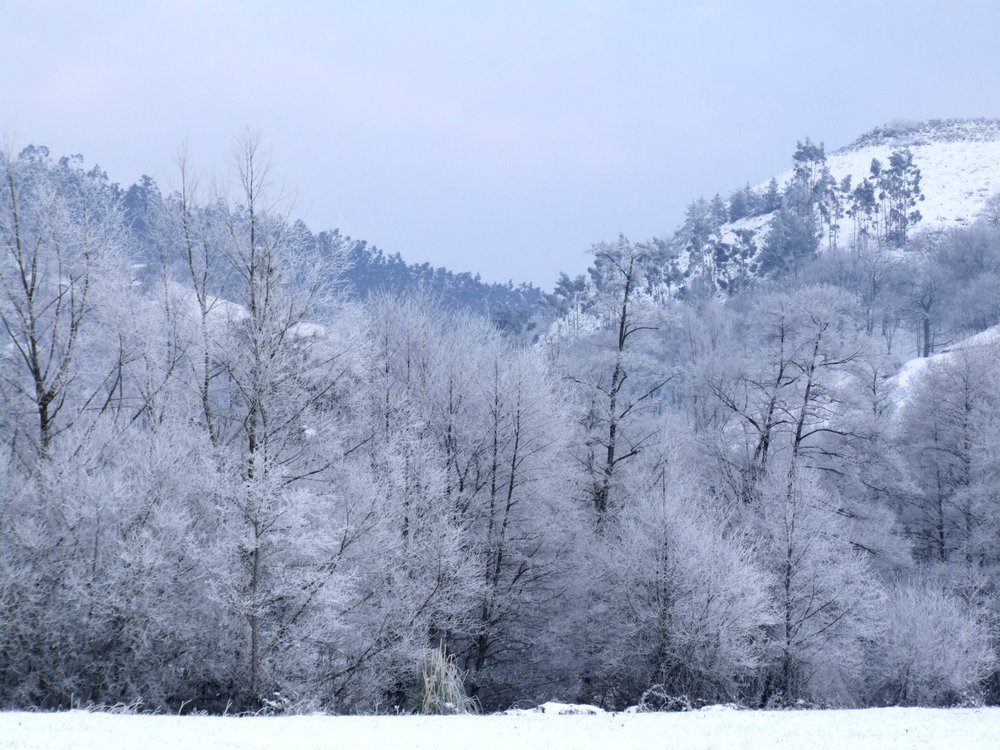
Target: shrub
(936, 651)
(442, 688)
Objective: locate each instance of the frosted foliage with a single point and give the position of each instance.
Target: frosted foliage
(948, 430)
(935, 650)
(825, 592)
(231, 484)
(469, 426)
(689, 605)
(62, 245)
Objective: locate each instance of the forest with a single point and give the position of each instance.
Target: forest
(760, 470)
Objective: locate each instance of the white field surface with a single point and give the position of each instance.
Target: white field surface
(718, 727)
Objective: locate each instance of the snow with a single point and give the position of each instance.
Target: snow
(757, 225)
(957, 177)
(222, 312)
(558, 709)
(910, 373)
(874, 729)
(912, 370)
(959, 165)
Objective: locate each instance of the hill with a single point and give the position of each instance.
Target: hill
(366, 269)
(950, 168)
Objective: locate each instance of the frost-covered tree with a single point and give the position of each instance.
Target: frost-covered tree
(935, 650)
(784, 390)
(612, 386)
(479, 426)
(517, 524)
(62, 239)
(685, 600)
(278, 403)
(945, 440)
(826, 595)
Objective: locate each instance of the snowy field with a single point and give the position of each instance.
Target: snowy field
(710, 728)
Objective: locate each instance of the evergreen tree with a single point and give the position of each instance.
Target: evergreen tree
(771, 200)
(900, 193)
(792, 241)
(718, 212)
(863, 209)
(739, 205)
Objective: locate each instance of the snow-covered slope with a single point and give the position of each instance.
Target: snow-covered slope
(959, 161)
(987, 341)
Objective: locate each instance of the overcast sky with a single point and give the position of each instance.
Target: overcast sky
(498, 137)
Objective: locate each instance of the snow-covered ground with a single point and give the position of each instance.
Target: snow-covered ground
(716, 727)
(959, 164)
(915, 368)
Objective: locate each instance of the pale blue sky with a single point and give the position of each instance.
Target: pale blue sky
(500, 137)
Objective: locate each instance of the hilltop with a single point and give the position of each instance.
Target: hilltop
(959, 161)
(944, 171)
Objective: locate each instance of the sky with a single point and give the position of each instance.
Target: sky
(502, 138)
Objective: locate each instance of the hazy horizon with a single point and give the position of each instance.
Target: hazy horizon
(498, 139)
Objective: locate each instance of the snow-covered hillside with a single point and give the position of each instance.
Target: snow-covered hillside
(986, 343)
(950, 168)
(713, 727)
(959, 161)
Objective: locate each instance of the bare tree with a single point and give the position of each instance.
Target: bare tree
(826, 595)
(282, 375)
(616, 402)
(60, 230)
